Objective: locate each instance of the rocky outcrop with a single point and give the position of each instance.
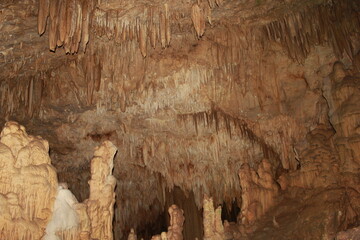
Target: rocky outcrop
(259, 191)
(28, 184)
(34, 206)
(213, 227)
(343, 97)
(353, 234)
(100, 205)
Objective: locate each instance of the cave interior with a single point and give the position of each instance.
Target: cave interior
(179, 119)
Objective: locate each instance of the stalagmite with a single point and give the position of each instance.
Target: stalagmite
(259, 191)
(176, 224)
(102, 196)
(64, 217)
(213, 228)
(343, 96)
(28, 184)
(132, 235)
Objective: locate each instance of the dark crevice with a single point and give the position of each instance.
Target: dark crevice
(230, 213)
(193, 227)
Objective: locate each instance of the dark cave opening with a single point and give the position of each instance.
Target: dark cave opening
(193, 225)
(231, 212)
(159, 225)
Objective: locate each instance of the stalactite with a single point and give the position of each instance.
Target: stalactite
(154, 23)
(162, 29)
(53, 25)
(198, 18)
(68, 25)
(143, 40)
(85, 24)
(299, 31)
(218, 118)
(62, 22)
(43, 15)
(167, 25)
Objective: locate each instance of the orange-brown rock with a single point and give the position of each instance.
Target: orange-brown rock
(259, 192)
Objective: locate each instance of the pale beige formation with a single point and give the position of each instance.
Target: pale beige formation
(176, 224)
(28, 184)
(34, 206)
(64, 222)
(132, 235)
(100, 205)
(213, 227)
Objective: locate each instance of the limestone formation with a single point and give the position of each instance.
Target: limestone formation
(252, 103)
(132, 235)
(259, 191)
(65, 220)
(176, 224)
(102, 197)
(344, 112)
(213, 227)
(353, 233)
(318, 162)
(28, 184)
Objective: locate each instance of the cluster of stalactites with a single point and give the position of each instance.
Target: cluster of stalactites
(153, 25)
(68, 25)
(299, 31)
(22, 97)
(201, 13)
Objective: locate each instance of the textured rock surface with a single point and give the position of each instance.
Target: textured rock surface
(28, 184)
(34, 206)
(353, 233)
(102, 197)
(213, 227)
(194, 94)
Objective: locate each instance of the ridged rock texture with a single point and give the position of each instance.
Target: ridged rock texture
(28, 184)
(249, 105)
(33, 204)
